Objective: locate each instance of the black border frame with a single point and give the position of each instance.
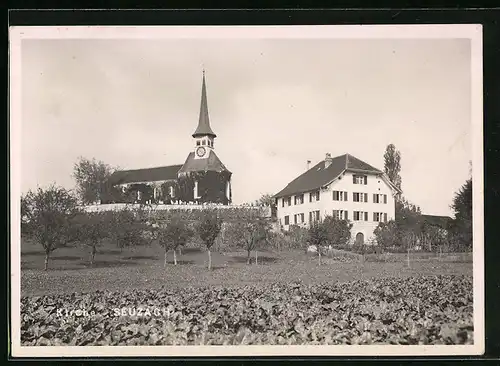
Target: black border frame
(490, 20)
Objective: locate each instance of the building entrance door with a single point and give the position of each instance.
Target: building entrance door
(360, 239)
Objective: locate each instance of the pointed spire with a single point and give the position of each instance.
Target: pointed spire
(204, 122)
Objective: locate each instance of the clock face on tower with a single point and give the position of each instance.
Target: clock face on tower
(201, 151)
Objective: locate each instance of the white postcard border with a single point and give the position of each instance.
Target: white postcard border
(467, 31)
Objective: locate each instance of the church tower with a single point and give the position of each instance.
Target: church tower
(204, 136)
(203, 178)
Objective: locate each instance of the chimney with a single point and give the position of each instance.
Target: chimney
(308, 164)
(328, 160)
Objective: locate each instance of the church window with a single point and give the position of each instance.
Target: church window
(198, 143)
(196, 190)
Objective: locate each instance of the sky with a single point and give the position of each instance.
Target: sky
(273, 103)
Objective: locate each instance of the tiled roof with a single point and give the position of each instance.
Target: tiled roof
(145, 175)
(204, 122)
(440, 221)
(318, 176)
(212, 163)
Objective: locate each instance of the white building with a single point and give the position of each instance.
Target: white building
(343, 186)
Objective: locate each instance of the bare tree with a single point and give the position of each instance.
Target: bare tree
(91, 229)
(208, 229)
(173, 235)
(252, 233)
(46, 217)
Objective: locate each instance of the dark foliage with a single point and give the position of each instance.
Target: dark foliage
(422, 310)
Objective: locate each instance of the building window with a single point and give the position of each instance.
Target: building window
(283, 202)
(360, 197)
(379, 217)
(314, 216)
(379, 198)
(289, 201)
(340, 214)
(339, 196)
(314, 196)
(360, 179)
(299, 199)
(298, 218)
(195, 193)
(360, 216)
(287, 220)
(198, 143)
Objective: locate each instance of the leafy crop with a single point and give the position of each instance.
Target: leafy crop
(415, 310)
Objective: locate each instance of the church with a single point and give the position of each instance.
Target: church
(202, 178)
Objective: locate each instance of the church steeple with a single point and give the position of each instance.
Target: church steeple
(203, 128)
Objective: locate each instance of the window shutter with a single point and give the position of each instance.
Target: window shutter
(385, 217)
(375, 198)
(374, 217)
(366, 180)
(366, 216)
(345, 196)
(346, 216)
(353, 179)
(366, 197)
(385, 198)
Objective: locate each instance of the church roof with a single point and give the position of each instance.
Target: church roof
(319, 176)
(211, 163)
(162, 173)
(204, 121)
(440, 221)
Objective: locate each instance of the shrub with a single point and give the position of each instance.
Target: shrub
(339, 231)
(127, 230)
(386, 234)
(295, 238)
